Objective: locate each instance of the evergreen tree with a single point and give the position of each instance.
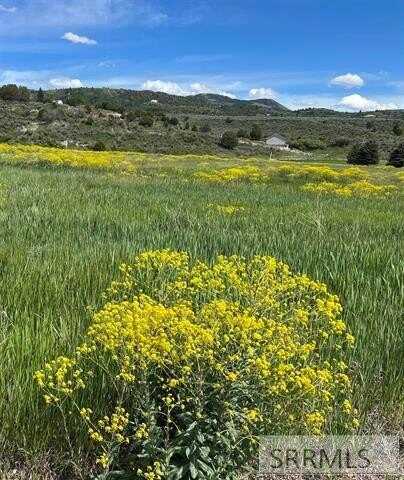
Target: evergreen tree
(229, 140)
(364, 154)
(40, 96)
(397, 157)
(397, 129)
(256, 132)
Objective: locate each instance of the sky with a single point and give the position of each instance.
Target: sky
(346, 54)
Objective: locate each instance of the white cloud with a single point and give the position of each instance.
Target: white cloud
(166, 87)
(357, 102)
(74, 38)
(260, 93)
(349, 80)
(203, 88)
(65, 82)
(7, 9)
(174, 88)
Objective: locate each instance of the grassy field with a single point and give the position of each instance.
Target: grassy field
(64, 232)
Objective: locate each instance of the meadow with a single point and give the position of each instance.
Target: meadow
(68, 221)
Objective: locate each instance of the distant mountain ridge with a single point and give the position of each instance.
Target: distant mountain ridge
(204, 103)
(270, 104)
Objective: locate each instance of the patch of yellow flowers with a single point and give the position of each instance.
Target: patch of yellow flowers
(343, 182)
(362, 188)
(226, 209)
(72, 158)
(287, 172)
(181, 341)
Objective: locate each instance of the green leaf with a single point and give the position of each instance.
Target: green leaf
(193, 471)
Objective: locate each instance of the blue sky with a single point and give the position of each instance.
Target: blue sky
(345, 54)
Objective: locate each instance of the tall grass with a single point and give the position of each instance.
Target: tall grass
(63, 234)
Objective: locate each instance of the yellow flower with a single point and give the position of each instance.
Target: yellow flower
(232, 376)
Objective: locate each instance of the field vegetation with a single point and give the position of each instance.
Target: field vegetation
(96, 245)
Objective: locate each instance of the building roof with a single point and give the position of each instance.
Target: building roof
(279, 137)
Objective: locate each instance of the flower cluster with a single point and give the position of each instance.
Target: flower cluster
(284, 173)
(362, 188)
(232, 174)
(241, 347)
(72, 158)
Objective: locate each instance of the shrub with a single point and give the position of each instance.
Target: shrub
(12, 92)
(173, 121)
(131, 116)
(364, 154)
(340, 142)
(229, 140)
(40, 96)
(99, 146)
(229, 120)
(146, 121)
(397, 157)
(397, 129)
(241, 133)
(256, 132)
(188, 363)
(205, 128)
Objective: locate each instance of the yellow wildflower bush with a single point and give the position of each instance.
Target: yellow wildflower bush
(58, 156)
(318, 173)
(290, 173)
(362, 188)
(244, 173)
(198, 359)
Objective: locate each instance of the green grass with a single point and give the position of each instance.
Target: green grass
(63, 234)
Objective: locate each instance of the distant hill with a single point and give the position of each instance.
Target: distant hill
(270, 105)
(121, 100)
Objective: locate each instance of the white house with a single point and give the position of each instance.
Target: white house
(277, 142)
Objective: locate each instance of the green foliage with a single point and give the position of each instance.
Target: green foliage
(131, 116)
(256, 132)
(173, 121)
(99, 146)
(340, 142)
(40, 96)
(397, 129)
(146, 121)
(14, 93)
(397, 157)
(242, 133)
(205, 128)
(364, 154)
(50, 113)
(229, 140)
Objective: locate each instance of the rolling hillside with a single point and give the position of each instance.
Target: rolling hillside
(120, 99)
